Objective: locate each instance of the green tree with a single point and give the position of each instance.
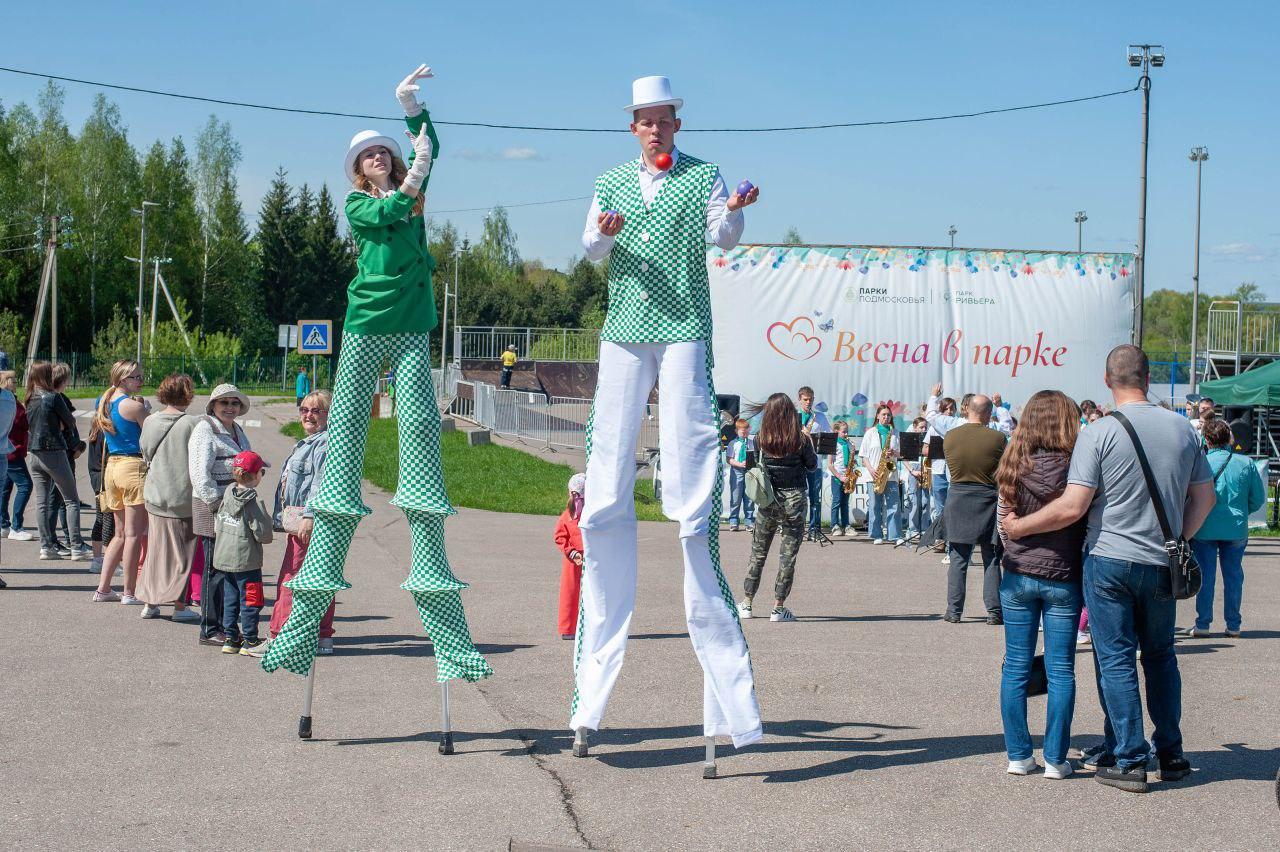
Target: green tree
(235, 301)
(330, 264)
(792, 237)
(1248, 292)
(279, 243)
(217, 155)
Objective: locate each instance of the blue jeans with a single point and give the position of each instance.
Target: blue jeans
(839, 504)
(916, 503)
(17, 483)
(815, 499)
(1024, 600)
(938, 495)
(738, 499)
(1230, 554)
(882, 512)
(234, 604)
(1125, 615)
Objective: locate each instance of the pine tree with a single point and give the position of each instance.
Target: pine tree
(279, 243)
(330, 261)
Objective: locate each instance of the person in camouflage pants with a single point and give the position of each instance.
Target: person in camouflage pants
(786, 514)
(390, 312)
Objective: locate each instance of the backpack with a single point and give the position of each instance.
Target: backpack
(759, 488)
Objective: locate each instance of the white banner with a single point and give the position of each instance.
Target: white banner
(864, 325)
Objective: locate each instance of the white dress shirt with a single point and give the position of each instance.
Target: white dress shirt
(872, 448)
(724, 226)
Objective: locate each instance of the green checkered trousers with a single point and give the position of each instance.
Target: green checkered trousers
(691, 483)
(338, 508)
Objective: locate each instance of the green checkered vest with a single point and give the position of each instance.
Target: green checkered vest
(658, 287)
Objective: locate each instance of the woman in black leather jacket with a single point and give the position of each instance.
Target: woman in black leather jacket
(53, 434)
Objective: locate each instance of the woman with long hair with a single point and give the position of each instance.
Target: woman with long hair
(787, 455)
(165, 442)
(1042, 581)
(390, 313)
(118, 419)
(884, 522)
(53, 434)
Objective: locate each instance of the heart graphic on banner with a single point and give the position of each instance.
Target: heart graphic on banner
(795, 339)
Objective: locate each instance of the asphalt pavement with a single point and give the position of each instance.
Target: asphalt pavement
(882, 721)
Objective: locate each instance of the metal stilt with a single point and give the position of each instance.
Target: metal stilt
(580, 746)
(709, 762)
(304, 723)
(446, 731)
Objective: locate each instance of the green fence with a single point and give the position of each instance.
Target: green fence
(260, 374)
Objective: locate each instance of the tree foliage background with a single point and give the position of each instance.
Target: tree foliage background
(234, 283)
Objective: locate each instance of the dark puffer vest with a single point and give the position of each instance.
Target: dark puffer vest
(1056, 555)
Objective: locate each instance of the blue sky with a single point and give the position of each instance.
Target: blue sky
(1010, 181)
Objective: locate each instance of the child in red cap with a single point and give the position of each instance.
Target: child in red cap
(241, 527)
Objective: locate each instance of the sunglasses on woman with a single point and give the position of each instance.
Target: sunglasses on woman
(305, 410)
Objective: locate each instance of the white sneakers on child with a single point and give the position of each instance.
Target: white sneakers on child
(744, 609)
(1052, 771)
(1023, 767)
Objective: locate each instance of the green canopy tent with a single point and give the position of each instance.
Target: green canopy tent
(1259, 386)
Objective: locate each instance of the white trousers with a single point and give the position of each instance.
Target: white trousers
(689, 442)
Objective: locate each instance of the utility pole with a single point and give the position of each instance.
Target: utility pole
(1146, 57)
(155, 287)
(142, 267)
(951, 232)
(1198, 156)
(53, 287)
(48, 274)
(1080, 220)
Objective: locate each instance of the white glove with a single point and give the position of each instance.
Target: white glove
(421, 158)
(405, 92)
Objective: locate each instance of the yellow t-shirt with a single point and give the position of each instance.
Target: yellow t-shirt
(508, 359)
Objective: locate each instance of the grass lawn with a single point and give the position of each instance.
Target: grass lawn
(493, 477)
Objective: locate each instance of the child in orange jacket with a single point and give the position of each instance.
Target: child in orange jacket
(569, 540)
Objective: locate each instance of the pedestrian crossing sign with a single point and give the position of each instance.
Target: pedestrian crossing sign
(315, 337)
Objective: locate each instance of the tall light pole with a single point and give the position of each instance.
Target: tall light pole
(142, 267)
(1080, 220)
(444, 325)
(951, 232)
(1198, 156)
(1146, 57)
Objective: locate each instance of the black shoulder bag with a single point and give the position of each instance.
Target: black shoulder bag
(1184, 571)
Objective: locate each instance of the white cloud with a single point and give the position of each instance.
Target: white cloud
(1248, 252)
(521, 154)
(506, 155)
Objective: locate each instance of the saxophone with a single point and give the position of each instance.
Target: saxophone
(926, 474)
(885, 469)
(851, 474)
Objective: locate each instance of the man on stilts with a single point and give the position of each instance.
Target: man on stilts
(653, 217)
(389, 316)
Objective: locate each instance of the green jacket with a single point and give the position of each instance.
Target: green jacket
(391, 293)
(1240, 493)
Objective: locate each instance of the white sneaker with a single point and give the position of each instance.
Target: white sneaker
(1083, 637)
(781, 613)
(81, 553)
(900, 542)
(21, 535)
(1022, 767)
(131, 600)
(149, 611)
(838, 532)
(744, 609)
(946, 560)
(187, 615)
(1057, 771)
(49, 553)
(878, 541)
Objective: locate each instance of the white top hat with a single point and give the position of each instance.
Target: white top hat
(363, 141)
(651, 92)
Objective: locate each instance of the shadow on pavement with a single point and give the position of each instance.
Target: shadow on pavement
(403, 645)
(903, 617)
(635, 636)
(1238, 763)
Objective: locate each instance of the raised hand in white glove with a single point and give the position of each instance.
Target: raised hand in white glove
(421, 158)
(406, 91)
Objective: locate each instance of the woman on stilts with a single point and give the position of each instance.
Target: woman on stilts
(390, 314)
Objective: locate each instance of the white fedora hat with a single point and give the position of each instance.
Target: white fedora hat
(364, 140)
(651, 92)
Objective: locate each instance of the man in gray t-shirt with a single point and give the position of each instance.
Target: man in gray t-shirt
(1122, 518)
(1126, 568)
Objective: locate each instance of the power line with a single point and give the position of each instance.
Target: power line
(509, 206)
(493, 125)
(19, 248)
(19, 236)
